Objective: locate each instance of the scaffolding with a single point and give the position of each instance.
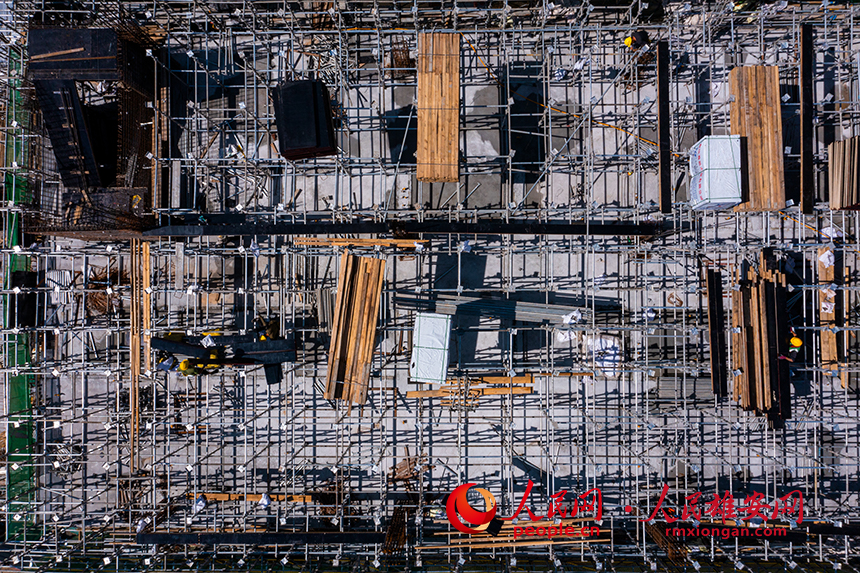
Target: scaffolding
(558, 124)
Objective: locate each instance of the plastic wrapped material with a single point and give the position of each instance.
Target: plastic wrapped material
(715, 173)
(431, 337)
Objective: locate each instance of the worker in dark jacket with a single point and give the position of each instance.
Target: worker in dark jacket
(636, 40)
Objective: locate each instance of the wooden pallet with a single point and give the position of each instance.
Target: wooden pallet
(438, 151)
(356, 312)
(756, 115)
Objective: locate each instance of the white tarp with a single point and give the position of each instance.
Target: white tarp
(430, 340)
(606, 352)
(715, 172)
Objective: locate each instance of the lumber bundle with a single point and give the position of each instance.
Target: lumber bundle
(359, 289)
(760, 335)
(844, 175)
(137, 296)
(438, 150)
(756, 116)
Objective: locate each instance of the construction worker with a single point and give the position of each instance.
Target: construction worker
(189, 368)
(636, 40)
(794, 346)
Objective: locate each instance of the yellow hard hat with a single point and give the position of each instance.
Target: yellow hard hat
(628, 41)
(795, 342)
(184, 365)
(262, 337)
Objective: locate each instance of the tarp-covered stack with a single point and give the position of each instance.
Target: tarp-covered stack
(715, 173)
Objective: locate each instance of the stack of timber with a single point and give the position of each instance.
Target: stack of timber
(438, 107)
(756, 116)
(844, 175)
(831, 312)
(356, 311)
(464, 395)
(760, 334)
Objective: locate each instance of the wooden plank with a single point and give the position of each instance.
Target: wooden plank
(736, 344)
(147, 307)
(750, 356)
(846, 183)
(334, 361)
(663, 123)
(833, 166)
(358, 311)
(370, 341)
(771, 335)
(362, 358)
(777, 156)
(438, 128)
(782, 327)
(761, 345)
(847, 304)
(55, 54)
(717, 333)
(807, 154)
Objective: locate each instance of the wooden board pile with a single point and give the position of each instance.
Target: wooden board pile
(844, 175)
(757, 117)
(438, 107)
(760, 334)
(464, 394)
(359, 289)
